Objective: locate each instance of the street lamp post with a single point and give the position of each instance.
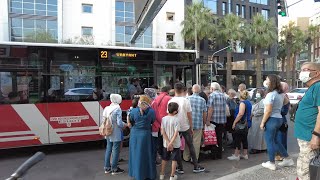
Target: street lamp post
(215, 62)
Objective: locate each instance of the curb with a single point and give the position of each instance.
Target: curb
(235, 175)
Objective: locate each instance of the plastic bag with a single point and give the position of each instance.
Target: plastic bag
(183, 143)
(210, 136)
(314, 168)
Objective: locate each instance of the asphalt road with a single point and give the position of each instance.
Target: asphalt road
(85, 162)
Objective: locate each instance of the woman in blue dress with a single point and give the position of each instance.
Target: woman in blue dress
(141, 163)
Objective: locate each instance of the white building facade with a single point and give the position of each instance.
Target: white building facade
(100, 22)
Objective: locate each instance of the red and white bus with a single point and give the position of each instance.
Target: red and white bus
(55, 93)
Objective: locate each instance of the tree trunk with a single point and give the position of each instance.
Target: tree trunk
(294, 76)
(288, 66)
(283, 62)
(229, 69)
(309, 52)
(258, 66)
(314, 52)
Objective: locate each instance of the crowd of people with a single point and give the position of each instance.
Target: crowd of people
(158, 121)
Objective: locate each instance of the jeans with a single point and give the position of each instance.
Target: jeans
(273, 139)
(189, 142)
(283, 137)
(114, 148)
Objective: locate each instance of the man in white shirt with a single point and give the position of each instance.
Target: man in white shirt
(186, 130)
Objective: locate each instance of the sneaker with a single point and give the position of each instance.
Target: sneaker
(234, 158)
(269, 165)
(161, 177)
(118, 171)
(286, 162)
(107, 171)
(199, 169)
(179, 171)
(246, 157)
(175, 177)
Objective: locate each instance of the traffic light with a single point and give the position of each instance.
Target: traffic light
(232, 45)
(282, 7)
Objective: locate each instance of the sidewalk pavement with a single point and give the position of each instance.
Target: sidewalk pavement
(261, 173)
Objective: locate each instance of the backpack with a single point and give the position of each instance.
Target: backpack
(106, 128)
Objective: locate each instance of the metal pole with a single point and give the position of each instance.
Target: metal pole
(215, 62)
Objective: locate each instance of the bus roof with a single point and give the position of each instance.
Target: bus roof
(90, 46)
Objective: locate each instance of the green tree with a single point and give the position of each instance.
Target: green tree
(298, 45)
(197, 25)
(312, 34)
(40, 36)
(230, 29)
(282, 54)
(261, 34)
(287, 33)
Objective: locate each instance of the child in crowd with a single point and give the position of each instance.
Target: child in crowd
(171, 141)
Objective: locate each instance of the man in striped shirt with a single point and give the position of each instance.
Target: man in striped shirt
(217, 113)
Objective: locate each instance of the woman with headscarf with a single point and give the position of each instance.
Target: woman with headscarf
(141, 154)
(256, 140)
(151, 93)
(114, 113)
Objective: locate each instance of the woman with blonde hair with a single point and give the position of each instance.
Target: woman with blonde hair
(240, 126)
(141, 154)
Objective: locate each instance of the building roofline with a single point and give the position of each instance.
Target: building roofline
(90, 46)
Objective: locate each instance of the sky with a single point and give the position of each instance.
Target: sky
(305, 8)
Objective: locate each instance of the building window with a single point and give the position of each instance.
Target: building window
(170, 16)
(124, 19)
(170, 37)
(229, 7)
(224, 8)
(265, 13)
(243, 11)
(124, 12)
(264, 2)
(87, 31)
(87, 8)
(250, 12)
(238, 10)
(211, 4)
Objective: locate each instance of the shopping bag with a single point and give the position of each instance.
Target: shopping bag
(210, 136)
(314, 168)
(183, 142)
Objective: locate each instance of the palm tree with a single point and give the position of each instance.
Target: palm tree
(298, 45)
(287, 33)
(261, 34)
(282, 54)
(312, 34)
(230, 29)
(198, 24)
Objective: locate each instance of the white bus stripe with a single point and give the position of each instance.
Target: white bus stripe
(37, 123)
(17, 138)
(15, 133)
(79, 134)
(77, 128)
(93, 109)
